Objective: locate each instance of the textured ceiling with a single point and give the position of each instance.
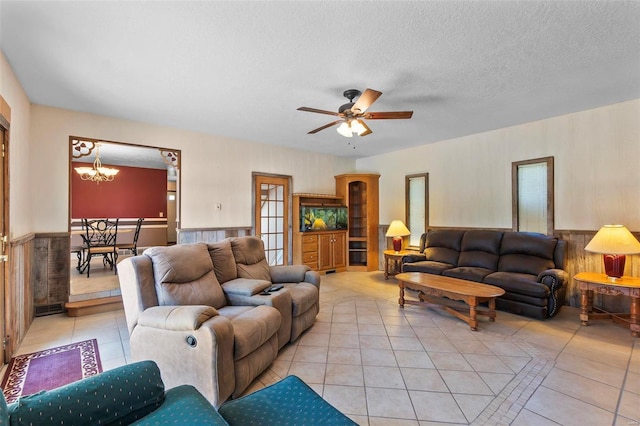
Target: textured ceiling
(240, 69)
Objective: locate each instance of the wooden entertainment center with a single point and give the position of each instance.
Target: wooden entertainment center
(352, 246)
(321, 250)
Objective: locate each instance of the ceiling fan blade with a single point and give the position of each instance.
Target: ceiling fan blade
(319, 111)
(390, 115)
(324, 127)
(367, 130)
(365, 100)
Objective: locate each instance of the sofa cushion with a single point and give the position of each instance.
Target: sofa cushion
(289, 402)
(184, 276)
(427, 266)
(513, 282)
(250, 259)
(181, 403)
(303, 296)
(443, 245)
(251, 327)
(524, 264)
(442, 255)
(224, 264)
(118, 396)
(479, 259)
(449, 238)
(468, 273)
(482, 240)
(528, 243)
(480, 249)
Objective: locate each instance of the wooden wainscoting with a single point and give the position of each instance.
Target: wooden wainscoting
(19, 292)
(211, 235)
(51, 259)
(579, 260)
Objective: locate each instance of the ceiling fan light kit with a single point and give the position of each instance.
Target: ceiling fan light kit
(352, 114)
(350, 128)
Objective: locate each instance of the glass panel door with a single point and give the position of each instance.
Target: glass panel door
(272, 217)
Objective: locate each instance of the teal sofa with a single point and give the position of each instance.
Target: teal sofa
(135, 395)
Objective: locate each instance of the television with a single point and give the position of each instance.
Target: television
(322, 218)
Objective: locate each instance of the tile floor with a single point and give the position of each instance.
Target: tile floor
(102, 282)
(382, 365)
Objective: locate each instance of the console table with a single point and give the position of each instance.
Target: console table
(590, 282)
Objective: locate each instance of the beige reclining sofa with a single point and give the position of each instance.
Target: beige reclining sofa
(218, 338)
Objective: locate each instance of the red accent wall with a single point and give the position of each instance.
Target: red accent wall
(135, 192)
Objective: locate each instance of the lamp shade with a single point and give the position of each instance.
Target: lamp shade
(397, 229)
(357, 127)
(613, 239)
(345, 130)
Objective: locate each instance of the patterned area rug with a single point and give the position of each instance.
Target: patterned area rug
(51, 368)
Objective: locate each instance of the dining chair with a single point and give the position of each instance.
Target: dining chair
(100, 240)
(79, 249)
(133, 246)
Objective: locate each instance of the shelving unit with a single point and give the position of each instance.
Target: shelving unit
(361, 194)
(323, 251)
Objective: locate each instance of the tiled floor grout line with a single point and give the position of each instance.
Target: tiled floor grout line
(506, 406)
(634, 347)
(528, 358)
(513, 397)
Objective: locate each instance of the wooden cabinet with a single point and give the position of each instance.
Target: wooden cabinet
(321, 250)
(360, 193)
(310, 251)
(331, 251)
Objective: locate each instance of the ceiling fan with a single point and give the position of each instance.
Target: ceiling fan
(352, 115)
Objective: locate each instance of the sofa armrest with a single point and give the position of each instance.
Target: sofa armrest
(312, 277)
(410, 258)
(288, 273)
(294, 274)
(176, 318)
(122, 395)
(553, 278)
(244, 287)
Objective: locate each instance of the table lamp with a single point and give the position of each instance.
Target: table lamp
(397, 230)
(613, 242)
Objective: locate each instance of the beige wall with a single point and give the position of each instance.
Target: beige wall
(470, 177)
(597, 171)
(214, 169)
(20, 211)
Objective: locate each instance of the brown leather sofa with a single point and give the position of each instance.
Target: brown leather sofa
(218, 338)
(528, 266)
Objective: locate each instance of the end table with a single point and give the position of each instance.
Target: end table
(396, 258)
(591, 282)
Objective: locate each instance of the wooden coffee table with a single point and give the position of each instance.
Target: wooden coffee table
(443, 292)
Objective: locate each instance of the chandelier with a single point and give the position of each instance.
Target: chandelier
(97, 173)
